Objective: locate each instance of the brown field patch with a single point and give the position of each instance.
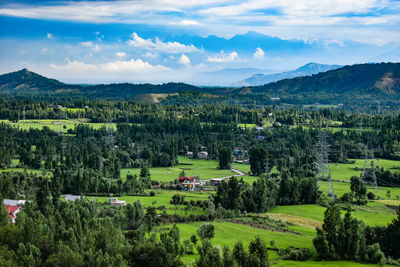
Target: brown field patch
(293, 219)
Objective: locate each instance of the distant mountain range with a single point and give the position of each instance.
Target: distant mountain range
(225, 77)
(353, 81)
(356, 81)
(306, 70)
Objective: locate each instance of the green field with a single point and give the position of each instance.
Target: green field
(342, 171)
(227, 234)
(56, 125)
(374, 213)
(163, 198)
(205, 169)
(344, 187)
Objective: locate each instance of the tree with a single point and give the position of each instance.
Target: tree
(358, 188)
(224, 158)
(209, 256)
(3, 213)
(206, 231)
(258, 252)
(257, 158)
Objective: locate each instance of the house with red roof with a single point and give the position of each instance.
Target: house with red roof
(12, 212)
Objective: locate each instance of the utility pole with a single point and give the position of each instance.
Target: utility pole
(324, 171)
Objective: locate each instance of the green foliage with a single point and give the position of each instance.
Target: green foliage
(206, 231)
(224, 158)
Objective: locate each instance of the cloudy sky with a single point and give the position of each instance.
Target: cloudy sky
(174, 40)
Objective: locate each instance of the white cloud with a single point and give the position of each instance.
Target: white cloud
(224, 58)
(259, 53)
(50, 36)
(74, 66)
(150, 55)
(44, 50)
(187, 22)
(184, 60)
(121, 54)
(168, 47)
(132, 65)
(86, 44)
(96, 48)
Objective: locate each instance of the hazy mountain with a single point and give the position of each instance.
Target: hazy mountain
(306, 70)
(225, 77)
(361, 79)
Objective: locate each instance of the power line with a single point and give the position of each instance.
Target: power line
(324, 170)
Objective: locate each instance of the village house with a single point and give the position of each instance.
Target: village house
(13, 207)
(73, 197)
(12, 212)
(202, 155)
(238, 154)
(116, 202)
(190, 183)
(189, 154)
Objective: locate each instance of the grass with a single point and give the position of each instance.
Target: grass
(227, 234)
(344, 187)
(56, 125)
(374, 213)
(162, 198)
(247, 125)
(341, 171)
(283, 263)
(205, 169)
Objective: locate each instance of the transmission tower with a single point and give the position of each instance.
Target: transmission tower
(110, 134)
(266, 165)
(23, 114)
(324, 170)
(372, 173)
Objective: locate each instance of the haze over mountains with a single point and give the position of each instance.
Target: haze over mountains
(350, 81)
(306, 70)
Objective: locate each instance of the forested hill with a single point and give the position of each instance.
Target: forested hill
(27, 82)
(362, 79)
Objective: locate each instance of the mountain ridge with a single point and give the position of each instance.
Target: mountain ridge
(305, 70)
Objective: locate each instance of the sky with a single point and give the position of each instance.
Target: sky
(165, 40)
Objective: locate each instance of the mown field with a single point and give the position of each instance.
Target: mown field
(162, 198)
(205, 169)
(56, 125)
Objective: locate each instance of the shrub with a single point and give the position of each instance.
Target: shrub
(371, 195)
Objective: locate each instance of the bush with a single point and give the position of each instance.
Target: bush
(371, 195)
(297, 254)
(152, 193)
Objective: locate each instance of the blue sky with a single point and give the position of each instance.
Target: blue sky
(167, 40)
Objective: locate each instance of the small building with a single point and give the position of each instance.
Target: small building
(258, 128)
(216, 181)
(238, 154)
(190, 183)
(189, 154)
(275, 99)
(260, 137)
(12, 212)
(202, 155)
(13, 202)
(115, 202)
(74, 198)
